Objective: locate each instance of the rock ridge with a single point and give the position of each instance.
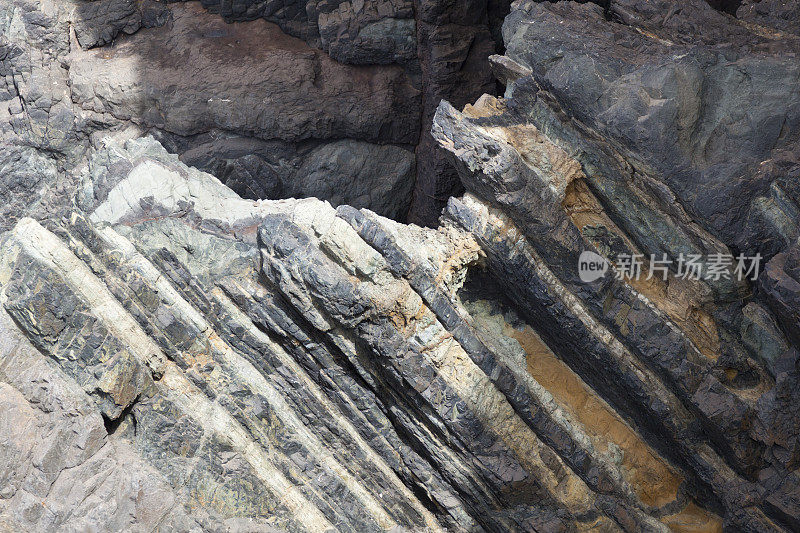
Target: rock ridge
(180, 352)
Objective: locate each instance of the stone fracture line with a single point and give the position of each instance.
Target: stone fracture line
(46, 247)
(709, 464)
(243, 371)
(423, 277)
(342, 423)
(428, 339)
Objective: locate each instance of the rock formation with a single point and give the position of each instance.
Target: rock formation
(346, 85)
(188, 344)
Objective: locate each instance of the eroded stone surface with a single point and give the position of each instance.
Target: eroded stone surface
(619, 133)
(318, 368)
(176, 356)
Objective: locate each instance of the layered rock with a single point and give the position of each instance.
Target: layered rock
(291, 365)
(175, 356)
(627, 133)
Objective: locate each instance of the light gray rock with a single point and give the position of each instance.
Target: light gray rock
(311, 368)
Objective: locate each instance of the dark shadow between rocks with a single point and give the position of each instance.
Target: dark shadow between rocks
(334, 101)
(726, 6)
(263, 111)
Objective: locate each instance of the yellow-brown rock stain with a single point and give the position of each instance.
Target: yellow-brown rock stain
(651, 477)
(693, 519)
(677, 298)
(654, 481)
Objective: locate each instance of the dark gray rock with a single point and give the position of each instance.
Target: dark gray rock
(27, 175)
(174, 355)
(351, 172)
(781, 285)
(700, 100)
(170, 78)
(98, 22)
(358, 33)
(454, 42)
(782, 15)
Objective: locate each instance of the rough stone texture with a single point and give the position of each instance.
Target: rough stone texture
(781, 286)
(250, 78)
(652, 128)
(704, 110)
(289, 364)
(37, 119)
(380, 32)
(100, 22)
(357, 173)
(783, 15)
(175, 356)
(344, 73)
(181, 73)
(27, 175)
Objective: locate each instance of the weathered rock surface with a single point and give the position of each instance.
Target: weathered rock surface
(714, 114)
(291, 364)
(179, 353)
(211, 86)
(201, 74)
(356, 173)
(783, 15)
(660, 129)
(186, 76)
(358, 33)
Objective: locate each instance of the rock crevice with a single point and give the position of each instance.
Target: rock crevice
(180, 351)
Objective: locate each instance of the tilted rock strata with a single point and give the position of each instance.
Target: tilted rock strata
(291, 364)
(174, 356)
(712, 114)
(624, 135)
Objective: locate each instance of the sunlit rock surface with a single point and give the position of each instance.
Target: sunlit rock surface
(183, 354)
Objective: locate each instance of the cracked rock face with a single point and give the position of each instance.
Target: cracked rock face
(191, 340)
(267, 97)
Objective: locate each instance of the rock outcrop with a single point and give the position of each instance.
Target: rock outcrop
(290, 364)
(266, 96)
(630, 132)
(182, 351)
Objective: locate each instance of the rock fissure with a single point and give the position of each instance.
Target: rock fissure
(213, 316)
